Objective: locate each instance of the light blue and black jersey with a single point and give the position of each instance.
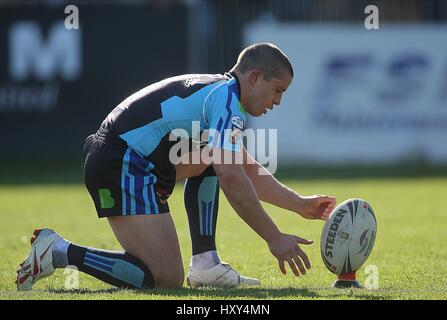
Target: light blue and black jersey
(133, 174)
(146, 118)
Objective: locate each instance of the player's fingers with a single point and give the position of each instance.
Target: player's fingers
(303, 241)
(304, 257)
(328, 205)
(292, 265)
(331, 203)
(299, 264)
(327, 212)
(282, 266)
(328, 209)
(328, 200)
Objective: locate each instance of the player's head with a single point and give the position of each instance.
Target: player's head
(266, 73)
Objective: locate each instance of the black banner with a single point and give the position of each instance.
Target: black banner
(57, 83)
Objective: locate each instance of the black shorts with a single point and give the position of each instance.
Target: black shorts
(120, 181)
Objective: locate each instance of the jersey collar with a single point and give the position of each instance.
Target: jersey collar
(232, 74)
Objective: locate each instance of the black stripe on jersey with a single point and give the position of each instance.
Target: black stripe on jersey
(133, 113)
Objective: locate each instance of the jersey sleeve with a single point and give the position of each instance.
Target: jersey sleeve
(226, 118)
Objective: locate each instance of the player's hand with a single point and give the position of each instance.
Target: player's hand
(317, 206)
(285, 248)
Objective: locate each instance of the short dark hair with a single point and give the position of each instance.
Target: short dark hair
(266, 57)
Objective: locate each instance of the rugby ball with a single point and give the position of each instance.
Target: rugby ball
(348, 236)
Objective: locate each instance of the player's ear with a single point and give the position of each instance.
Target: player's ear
(254, 75)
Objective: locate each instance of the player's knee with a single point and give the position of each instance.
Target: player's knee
(170, 278)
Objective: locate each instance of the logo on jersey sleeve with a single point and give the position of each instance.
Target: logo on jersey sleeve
(237, 122)
(236, 130)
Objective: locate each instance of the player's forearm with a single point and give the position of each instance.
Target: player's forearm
(242, 197)
(270, 190)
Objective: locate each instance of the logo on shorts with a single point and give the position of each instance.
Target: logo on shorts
(105, 199)
(162, 195)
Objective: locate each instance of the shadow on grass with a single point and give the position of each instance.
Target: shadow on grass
(84, 291)
(247, 293)
(250, 293)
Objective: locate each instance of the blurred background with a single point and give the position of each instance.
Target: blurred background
(363, 101)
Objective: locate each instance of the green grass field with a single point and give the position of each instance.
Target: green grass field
(410, 251)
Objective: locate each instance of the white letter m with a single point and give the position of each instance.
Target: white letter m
(30, 54)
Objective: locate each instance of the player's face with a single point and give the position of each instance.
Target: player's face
(266, 94)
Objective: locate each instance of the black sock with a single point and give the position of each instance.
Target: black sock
(119, 269)
(202, 205)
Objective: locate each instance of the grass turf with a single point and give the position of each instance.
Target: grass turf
(409, 252)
